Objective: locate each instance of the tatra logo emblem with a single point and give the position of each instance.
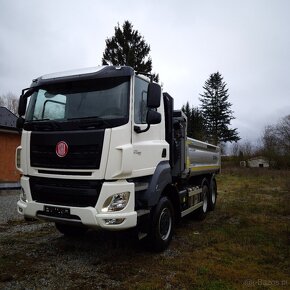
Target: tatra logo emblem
(61, 149)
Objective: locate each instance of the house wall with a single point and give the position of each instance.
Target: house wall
(258, 163)
(8, 144)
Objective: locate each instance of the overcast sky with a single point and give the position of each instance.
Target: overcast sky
(248, 42)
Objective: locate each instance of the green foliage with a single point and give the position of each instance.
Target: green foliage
(195, 127)
(216, 111)
(128, 47)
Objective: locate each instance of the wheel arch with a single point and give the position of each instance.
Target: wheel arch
(200, 180)
(172, 194)
(160, 180)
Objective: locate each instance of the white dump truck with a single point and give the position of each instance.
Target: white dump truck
(104, 148)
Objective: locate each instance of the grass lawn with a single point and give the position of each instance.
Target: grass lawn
(243, 244)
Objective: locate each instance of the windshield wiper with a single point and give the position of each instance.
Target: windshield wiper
(83, 118)
(90, 121)
(47, 124)
(38, 120)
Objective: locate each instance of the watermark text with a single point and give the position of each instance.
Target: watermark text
(264, 282)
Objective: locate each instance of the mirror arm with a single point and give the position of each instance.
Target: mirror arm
(138, 130)
(27, 92)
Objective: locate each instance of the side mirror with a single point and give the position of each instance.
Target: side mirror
(153, 96)
(153, 117)
(20, 123)
(23, 101)
(22, 105)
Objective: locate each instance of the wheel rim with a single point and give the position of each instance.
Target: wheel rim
(165, 224)
(205, 201)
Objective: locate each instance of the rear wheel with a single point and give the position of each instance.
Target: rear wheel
(70, 230)
(212, 194)
(201, 212)
(162, 225)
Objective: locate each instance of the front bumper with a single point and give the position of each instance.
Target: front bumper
(88, 216)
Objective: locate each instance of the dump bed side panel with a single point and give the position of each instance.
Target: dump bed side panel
(202, 157)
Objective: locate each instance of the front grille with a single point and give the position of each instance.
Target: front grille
(79, 157)
(80, 193)
(84, 149)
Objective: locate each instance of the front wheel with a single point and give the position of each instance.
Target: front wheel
(162, 225)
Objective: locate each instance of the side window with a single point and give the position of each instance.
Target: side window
(140, 95)
(49, 107)
(54, 109)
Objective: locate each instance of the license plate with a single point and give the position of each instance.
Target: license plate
(57, 211)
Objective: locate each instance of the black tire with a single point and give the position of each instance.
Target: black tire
(70, 230)
(162, 225)
(212, 194)
(200, 214)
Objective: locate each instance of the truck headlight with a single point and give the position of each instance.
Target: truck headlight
(18, 158)
(23, 195)
(116, 202)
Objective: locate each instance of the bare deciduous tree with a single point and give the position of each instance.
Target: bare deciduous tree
(10, 101)
(247, 149)
(235, 149)
(276, 142)
(2, 101)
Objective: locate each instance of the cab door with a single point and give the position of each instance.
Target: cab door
(148, 141)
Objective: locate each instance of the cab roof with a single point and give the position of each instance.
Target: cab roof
(84, 74)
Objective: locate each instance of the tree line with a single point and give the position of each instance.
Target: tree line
(211, 121)
(274, 145)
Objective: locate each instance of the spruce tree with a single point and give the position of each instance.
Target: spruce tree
(187, 111)
(216, 111)
(195, 127)
(197, 124)
(128, 47)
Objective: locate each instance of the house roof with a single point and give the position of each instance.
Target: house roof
(7, 120)
(258, 158)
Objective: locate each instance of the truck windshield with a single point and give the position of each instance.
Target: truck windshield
(102, 99)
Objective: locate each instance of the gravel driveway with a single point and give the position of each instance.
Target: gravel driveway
(34, 255)
(8, 208)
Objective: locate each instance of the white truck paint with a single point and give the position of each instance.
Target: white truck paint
(128, 163)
